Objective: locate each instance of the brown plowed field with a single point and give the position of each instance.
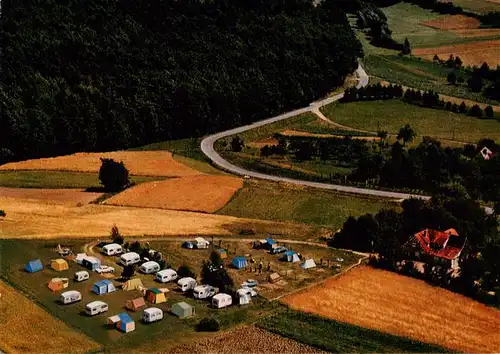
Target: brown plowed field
(453, 22)
(404, 306)
(247, 339)
(196, 193)
(26, 328)
(73, 196)
(474, 53)
(139, 163)
(479, 32)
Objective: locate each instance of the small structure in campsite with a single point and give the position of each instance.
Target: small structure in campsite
(222, 300)
(155, 296)
(57, 284)
(290, 256)
(201, 243)
(239, 262)
(222, 253)
(152, 314)
(59, 264)
(103, 287)
(309, 263)
(135, 304)
(183, 310)
(273, 278)
(91, 262)
(132, 284)
(244, 296)
(125, 323)
(34, 266)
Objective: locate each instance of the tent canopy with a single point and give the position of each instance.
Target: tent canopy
(135, 304)
(155, 296)
(239, 262)
(103, 287)
(132, 284)
(309, 263)
(34, 266)
(59, 264)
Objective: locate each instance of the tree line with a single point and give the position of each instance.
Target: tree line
(386, 233)
(429, 99)
(105, 75)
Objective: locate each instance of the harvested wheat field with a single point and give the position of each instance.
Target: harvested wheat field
(474, 53)
(290, 132)
(28, 218)
(195, 193)
(139, 163)
(453, 22)
(26, 328)
(248, 339)
(404, 306)
(72, 196)
(261, 143)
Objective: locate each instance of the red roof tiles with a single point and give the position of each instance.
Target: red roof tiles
(435, 243)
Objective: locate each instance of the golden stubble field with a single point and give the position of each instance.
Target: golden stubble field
(139, 163)
(71, 196)
(26, 328)
(404, 306)
(193, 193)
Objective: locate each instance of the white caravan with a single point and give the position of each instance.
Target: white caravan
(112, 249)
(166, 275)
(152, 314)
(69, 297)
(221, 300)
(129, 258)
(96, 307)
(81, 276)
(149, 267)
(186, 283)
(204, 291)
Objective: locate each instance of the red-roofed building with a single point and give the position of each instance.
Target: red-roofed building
(436, 247)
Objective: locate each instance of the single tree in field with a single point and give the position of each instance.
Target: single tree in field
(436, 59)
(406, 47)
(113, 175)
(451, 61)
(128, 271)
(237, 144)
(458, 63)
(476, 111)
(462, 108)
(2, 214)
(452, 78)
(116, 236)
(406, 134)
(488, 111)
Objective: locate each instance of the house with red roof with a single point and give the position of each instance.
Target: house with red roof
(436, 247)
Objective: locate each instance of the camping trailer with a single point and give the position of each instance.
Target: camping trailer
(112, 249)
(244, 295)
(69, 297)
(186, 284)
(204, 291)
(81, 276)
(221, 300)
(129, 258)
(166, 275)
(149, 267)
(152, 314)
(201, 243)
(95, 308)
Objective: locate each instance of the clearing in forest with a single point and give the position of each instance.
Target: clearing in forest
(195, 193)
(404, 306)
(26, 328)
(142, 163)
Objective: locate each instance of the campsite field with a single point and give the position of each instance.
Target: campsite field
(28, 218)
(281, 202)
(27, 328)
(141, 163)
(35, 284)
(194, 193)
(393, 114)
(400, 305)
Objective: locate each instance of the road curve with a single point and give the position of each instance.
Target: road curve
(207, 146)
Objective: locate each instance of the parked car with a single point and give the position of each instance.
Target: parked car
(250, 283)
(279, 249)
(65, 252)
(104, 269)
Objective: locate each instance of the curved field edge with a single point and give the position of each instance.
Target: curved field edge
(339, 337)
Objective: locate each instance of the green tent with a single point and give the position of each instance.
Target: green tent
(183, 310)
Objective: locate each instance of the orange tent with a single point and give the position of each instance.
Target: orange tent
(135, 304)
(56, 284)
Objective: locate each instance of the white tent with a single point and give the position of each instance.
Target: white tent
(309, 263)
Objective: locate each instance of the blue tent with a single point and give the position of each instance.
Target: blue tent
(187, 244)
(239, 262)
(269, 243)
(34, 266)
(103, 287)
(126, 323)
(91, 263)
(290, 256)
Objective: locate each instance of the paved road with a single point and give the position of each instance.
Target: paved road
(207, 146)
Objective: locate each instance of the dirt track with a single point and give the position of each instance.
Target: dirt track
(400, 305)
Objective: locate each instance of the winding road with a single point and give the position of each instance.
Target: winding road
(207, 146)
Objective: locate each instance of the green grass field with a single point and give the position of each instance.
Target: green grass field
(478, 6)
(393, 114)
(271, 201)
(338, 337)
(56, 179)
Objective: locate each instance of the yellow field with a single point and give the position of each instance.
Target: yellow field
(195, 193)
(474, 53)
(404, 306)
(26, 328)
(28, 218)
(290, 132)
(72, 196)
(139, 163)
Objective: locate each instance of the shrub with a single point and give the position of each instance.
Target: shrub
(116, 236)
(208, 325)
(488, 111)
(185, 271)
(2, 213)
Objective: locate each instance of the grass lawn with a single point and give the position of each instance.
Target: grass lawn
(271, 201)
(56, 179)
(338, 337)
(393, 114)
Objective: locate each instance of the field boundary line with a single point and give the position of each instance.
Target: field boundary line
(360, 261)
